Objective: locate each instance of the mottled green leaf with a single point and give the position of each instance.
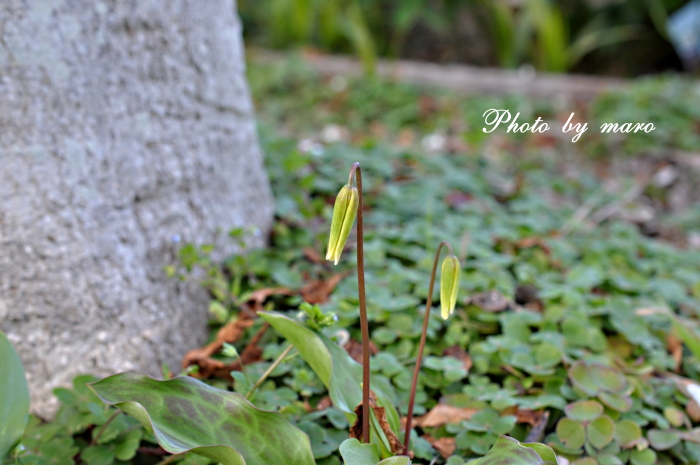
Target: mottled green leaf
(188, 415)
(338, 372)
(14, 397)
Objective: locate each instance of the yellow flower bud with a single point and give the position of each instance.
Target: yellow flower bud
(449, 285)
(344, 213)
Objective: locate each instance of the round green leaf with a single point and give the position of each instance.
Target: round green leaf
(584, 410)
(642, 457)
(356, 453)
(663, 439)
(627, 433)
(188, 415)
(609, 459)
(571, 433)
(600, 431)
(582, 378)
(618, 402)
(586, 461)
(607, 378)
(508, 451)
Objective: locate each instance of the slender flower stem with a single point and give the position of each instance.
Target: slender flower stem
(421, 347)
(364, 325)
(169, 459)
(268, 371)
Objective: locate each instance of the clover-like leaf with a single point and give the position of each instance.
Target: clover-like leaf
(398, 460)
(642, 457)
(663, 439)
(627, 433)
(615, 401)
(14, 397)
(356, 453)
(508, 451)
(586, 461)
(571, 433)
(581, 378)
(188, 415)
(608, 378)
(584, 410)
(600, 431)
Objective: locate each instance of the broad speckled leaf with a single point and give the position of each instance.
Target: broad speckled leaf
(188, 415)
(332, 364)
(356, 453)
(14, 397)
(508, 451)
(338, 372)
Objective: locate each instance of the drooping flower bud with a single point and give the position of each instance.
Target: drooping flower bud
(344, 213)
(449, 285)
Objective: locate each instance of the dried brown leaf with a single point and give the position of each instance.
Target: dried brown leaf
(445, 446)
(380, 414)
(443, 414)
(318, 291)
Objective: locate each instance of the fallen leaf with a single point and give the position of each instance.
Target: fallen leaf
(354, 349)
(675, 348)
(318, 291)
(324, 403)
(313, 256)
(693, 410)
(442, 414)
(255, 301)
(491, 301)
(445, 446)
(230, 333)
(380, 414)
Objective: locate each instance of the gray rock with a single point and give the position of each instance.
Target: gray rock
(124, 125)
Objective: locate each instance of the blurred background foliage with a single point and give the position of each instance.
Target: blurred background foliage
(611, 37)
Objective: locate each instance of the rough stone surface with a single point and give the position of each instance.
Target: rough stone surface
(124, 125)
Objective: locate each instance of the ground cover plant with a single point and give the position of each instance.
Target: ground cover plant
(574, 332)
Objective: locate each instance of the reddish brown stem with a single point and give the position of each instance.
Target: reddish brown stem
(364, 325)
(421, 347)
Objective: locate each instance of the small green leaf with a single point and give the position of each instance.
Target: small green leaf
(663, 440)
(582, 378)
(14, 397)
(618, 402)
(642, 457)
(586, 461)
(571, 433)
(627, 433)
(600, 431)
(584, 410)
(188, 415)
(356, 453)
(398, 460)
(98, 455)
(508, 451)
(125, 449)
